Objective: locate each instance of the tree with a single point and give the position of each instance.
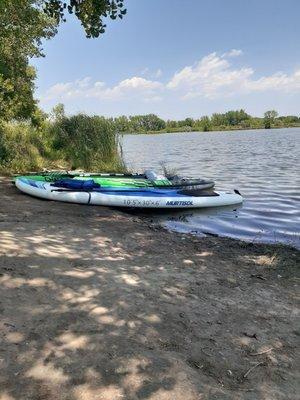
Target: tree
(189, 122)
(89, 12)
(122, 124)
(171, 124)
(23, 26)
(289, 119)
(269, 118)
(58, 112)
(231, 118)
(145, 123)
(218, 119)
(234, 118)
(205, 123)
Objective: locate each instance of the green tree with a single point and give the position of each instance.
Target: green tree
(218, 119)
(89, 12)
(145, 123)
(231, 118)
(289, 119)
(58, 112)
(269, 118)
(171, 124)
(189, 122)
(234, 118)
(122, 124)
(205, 123)
(22, 27)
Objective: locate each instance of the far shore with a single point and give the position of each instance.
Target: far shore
(97, 303)
(217, 129)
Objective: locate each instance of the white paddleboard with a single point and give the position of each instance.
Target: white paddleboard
(144, 199)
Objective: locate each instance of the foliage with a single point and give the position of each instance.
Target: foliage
(122, 124)
(22, 27)
(21, 147)
(186, 122)
(230, 118)
(58, 112)
(205, 123)
(78, 141)
(86, 142)
(149, 122)
(234, 119)
(139, 123)
(269, 118)
(89, 12)
(288, 119)
(92, 143)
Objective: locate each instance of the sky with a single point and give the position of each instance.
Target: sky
(178, 59)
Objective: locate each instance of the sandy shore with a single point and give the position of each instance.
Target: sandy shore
(95, 305)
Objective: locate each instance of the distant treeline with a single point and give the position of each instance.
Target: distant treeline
(231, 120)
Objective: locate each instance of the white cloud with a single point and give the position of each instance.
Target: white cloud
(213, 76)
(209, 77)
(233, 53)
(138, 83)
(278, 81)
(129, 87)
(85, 88)
(83, 83)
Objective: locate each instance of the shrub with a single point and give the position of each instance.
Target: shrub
(87, 142)
(20, 147)
(79, 141)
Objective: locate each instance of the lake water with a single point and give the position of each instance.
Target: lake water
(262, 164)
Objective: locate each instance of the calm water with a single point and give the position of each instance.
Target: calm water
(263, 165)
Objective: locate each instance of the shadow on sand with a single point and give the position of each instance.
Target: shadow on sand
(94, 305)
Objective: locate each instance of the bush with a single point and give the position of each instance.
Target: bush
(20, 147)
(87, 142)
(80, 141)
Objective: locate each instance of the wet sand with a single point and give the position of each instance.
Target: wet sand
(95, 304)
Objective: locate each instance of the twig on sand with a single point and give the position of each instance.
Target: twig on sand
(250, 335)
(251, 369)
(207, 354)
(261, 352)
(258, 276)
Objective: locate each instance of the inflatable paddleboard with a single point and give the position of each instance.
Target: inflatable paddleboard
(126, 197)
(148, 179)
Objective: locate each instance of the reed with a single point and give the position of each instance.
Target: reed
(91, 143)
(79, 141)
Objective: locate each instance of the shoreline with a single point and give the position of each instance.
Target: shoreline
(107, 306)
(209, 131)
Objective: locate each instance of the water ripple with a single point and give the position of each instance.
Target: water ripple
(263, 165)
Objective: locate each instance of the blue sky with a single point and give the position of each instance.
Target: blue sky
(178, 58)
